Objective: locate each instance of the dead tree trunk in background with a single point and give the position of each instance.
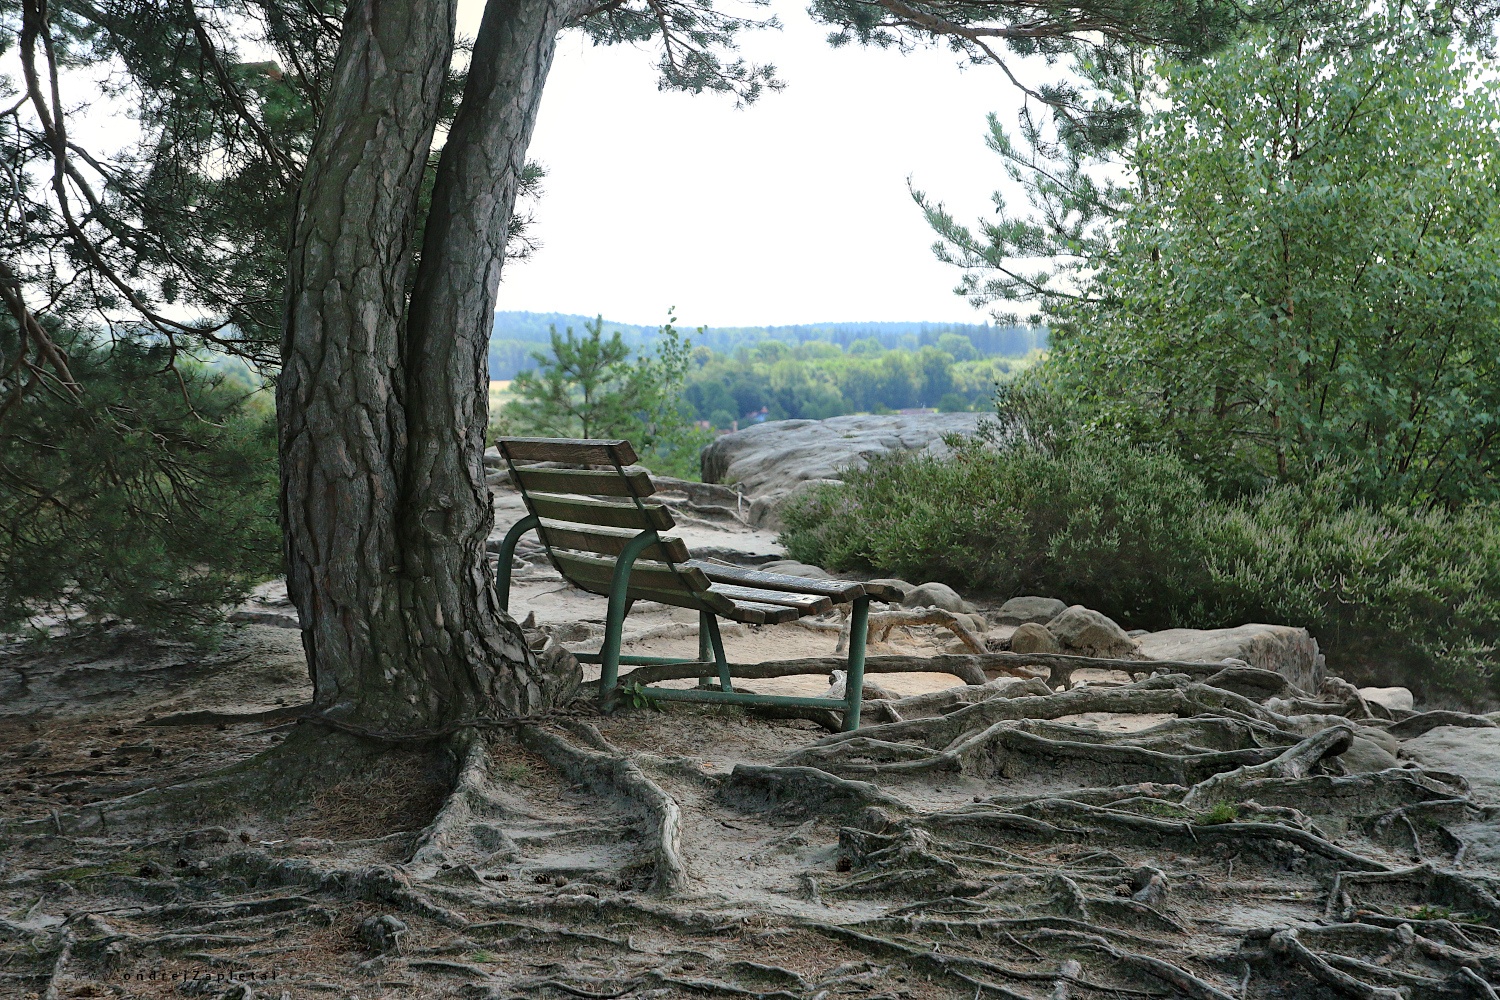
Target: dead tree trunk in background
(383, 496)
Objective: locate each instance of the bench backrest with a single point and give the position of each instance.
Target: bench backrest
(586, 516)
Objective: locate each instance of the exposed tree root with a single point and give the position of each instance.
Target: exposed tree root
(614, 773)
(882, 622)
(1415, 726)
(1295, 762)
(988, 841)
(958, 666)
(228, 718)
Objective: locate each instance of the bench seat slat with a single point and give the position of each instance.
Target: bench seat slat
(588, 482)
(839, 591)
(805, 604)
(749, 612)
(562, 535)
(756, 613)
(705, 600)
(601, 512)
(655, 582)
(579, 451)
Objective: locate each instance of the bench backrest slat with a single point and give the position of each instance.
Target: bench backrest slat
(607, 483)
(601, 512)
(609, 543)
(570, 451)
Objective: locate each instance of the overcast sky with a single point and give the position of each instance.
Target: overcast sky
(793, 210)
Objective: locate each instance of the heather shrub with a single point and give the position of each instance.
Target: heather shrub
(1393, 594)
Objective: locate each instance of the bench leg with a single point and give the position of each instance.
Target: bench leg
(716, 644)
(609, 654)
(854, 680)
(705, 647)
(614, 620)
(507, 552)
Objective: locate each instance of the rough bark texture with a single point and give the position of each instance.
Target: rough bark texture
(447, 511)
(343, 432)
(383, 403)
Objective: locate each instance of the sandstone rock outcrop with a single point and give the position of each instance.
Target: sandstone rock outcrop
(1289, 651)
(781, 453)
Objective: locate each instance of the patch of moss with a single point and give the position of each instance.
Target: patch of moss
(1224, 812)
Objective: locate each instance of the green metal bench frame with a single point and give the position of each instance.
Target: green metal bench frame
(616, 455)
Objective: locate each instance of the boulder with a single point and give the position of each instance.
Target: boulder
(779, 454)
(1030, 637)
(1397, 699)
(1366, 756)
(1084, 632)
(1289, 651)
(1473, 753)
(791, 567)
(937, 595)
(1020, 610)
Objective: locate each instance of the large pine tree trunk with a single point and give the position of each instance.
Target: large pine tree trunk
(384, 503)
(447, 512)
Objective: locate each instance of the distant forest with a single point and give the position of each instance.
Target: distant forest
(517, 334)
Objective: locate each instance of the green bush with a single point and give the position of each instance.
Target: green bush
(1392, 594)
(147, 499)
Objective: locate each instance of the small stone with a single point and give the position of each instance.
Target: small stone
(936, 595)
(383, 933)
(1032, 638)
(207, 835)
(1021, 610)
(975, 623)
(1083, 632)
(901, 585)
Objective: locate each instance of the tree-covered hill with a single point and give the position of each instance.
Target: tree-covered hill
(517, 334)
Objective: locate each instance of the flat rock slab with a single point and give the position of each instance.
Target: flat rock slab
(1289, 651)
(1473, 753)
(779, 454)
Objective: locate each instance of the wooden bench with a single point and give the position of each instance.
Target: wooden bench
(604, 536)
